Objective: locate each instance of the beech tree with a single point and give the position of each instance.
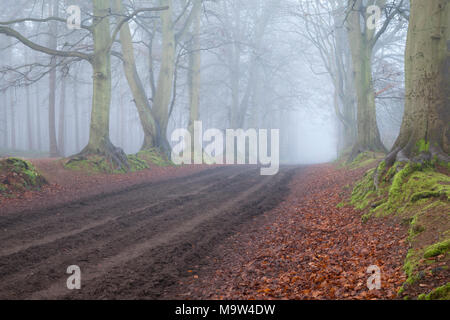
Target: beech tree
(324, 28)
(362, 38)
(425, 130)
(100, 60)
(149, 126)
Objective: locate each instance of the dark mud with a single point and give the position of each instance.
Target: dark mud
(138, 243)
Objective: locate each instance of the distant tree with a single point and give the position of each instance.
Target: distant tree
(100, 60)
(363, 37)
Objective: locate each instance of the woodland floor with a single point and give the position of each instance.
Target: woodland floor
(70, 185)
(307, 248)
(220, 233)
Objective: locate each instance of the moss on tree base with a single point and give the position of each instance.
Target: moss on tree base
(94, 164)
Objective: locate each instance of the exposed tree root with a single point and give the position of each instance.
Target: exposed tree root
(405, 154)
(164, 146)
(113, 154)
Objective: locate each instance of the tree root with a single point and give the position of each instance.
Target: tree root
(113, 154)
(404, 155)
(439, 154)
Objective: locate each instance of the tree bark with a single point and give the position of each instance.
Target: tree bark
(3, 130)
(76, 113)
(99, 142)
(149, 126)
(194, 70)
(38, 119)
(62, 118)
(29, 122)
(163, 92)
(425, 128)
(52, 44)
(361, 47)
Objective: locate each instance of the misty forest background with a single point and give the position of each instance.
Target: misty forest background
(234, 64)
(136, 70)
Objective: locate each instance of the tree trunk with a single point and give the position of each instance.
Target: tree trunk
(52, 44)
(148, 123)
(3, 130)
(425, 128)
(163, 92)
(194, 71)
(62, 118)
(38, 118)
(361, 47)
(99, 142)
(344, 86)
(13, 118)
(29, 122)
(76, 114)
(12, 102)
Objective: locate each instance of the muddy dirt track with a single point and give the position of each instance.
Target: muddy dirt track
(134, 244)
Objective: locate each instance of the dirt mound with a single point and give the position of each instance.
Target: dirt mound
(17, 175)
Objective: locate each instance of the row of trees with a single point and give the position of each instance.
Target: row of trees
(120, 30)
(350, 46)
(237, 45)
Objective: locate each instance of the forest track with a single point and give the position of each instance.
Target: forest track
(137, 243)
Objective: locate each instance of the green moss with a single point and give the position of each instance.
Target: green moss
(365, 159)
(413, 183)
(440, 293)
(415, 228)
(19, 175)
(411, 262)
(92, 164)
(341, 204)
(392, 171)
(418, 194)
(400, 188)
(382, 166)
(137, 164)
(423, 146)
(155, 157)
(366, 217)
(396, 189)
(363, 190)
(437, 249)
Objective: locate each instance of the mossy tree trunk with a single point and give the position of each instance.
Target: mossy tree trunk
(99, 141)
(362, 41)
(425, 128)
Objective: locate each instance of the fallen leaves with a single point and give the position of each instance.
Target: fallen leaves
(310, 249)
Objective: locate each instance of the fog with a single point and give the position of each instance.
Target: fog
(263, 64)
